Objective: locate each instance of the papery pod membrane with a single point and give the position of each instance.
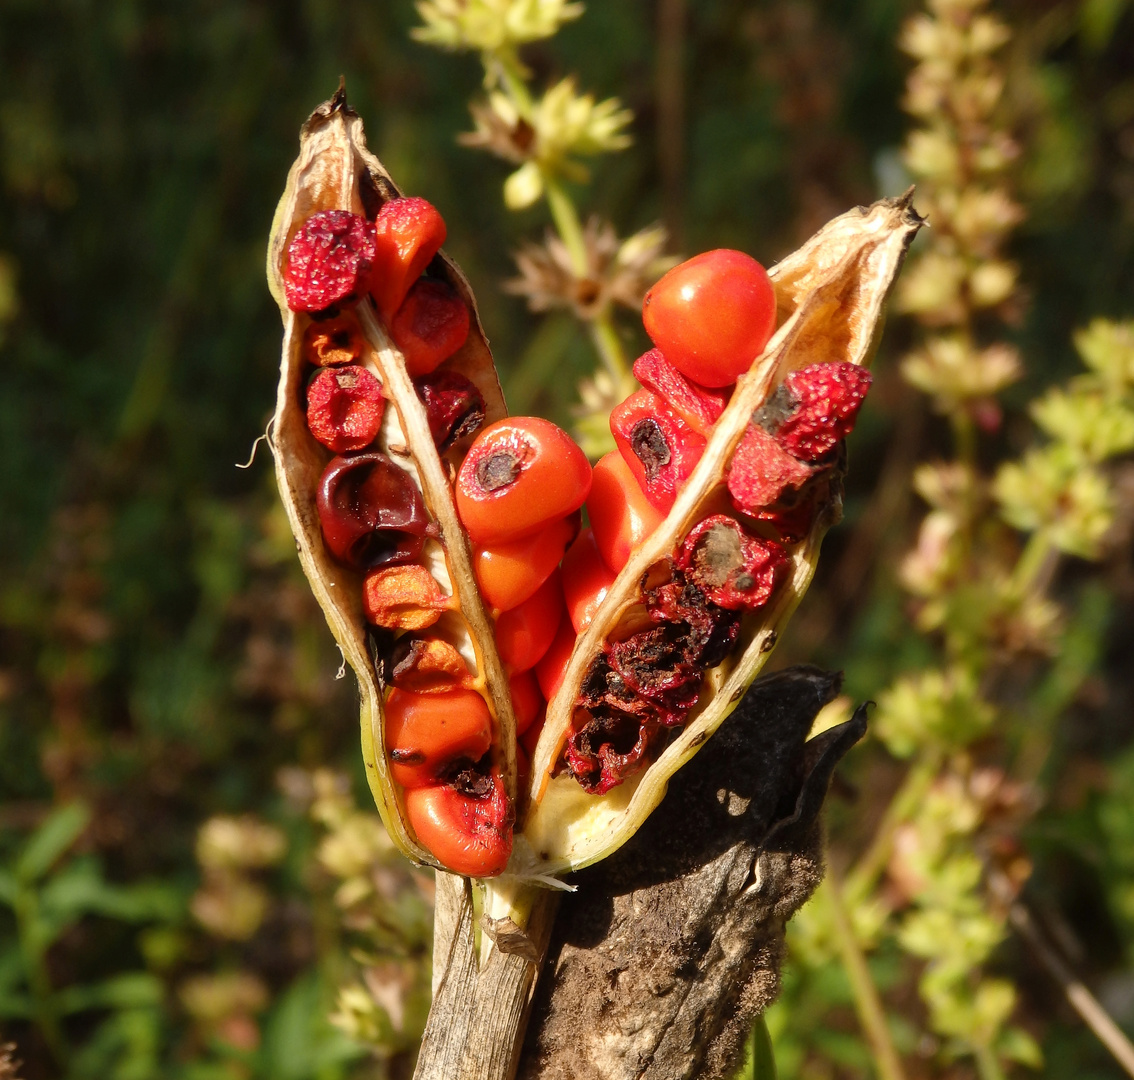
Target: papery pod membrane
(335, 170)
(829, 298)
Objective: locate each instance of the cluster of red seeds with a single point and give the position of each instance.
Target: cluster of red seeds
(519, 491)
(438, 726)
(710, 318)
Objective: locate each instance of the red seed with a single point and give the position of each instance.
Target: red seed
(815, 407)
(621, 515)
(427, 733)
(329, 261)
(661, 449)
(761, 471)
(697, 405)
(454, 407)
(520, 475)
(344, 408)
(734, 570)
(509, 573)
(371, 512)
(407, 234)
(469, 834)
(524, 634)
(527, 701)
(586, 578)
(551, 669)
(430, 326)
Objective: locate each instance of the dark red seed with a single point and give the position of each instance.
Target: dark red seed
(607, 749)
(815, 407)
(345, 407)
(454, 407)
(698, 406)
(734, 570)
(329, 261)
(430, 326)
(371, 513)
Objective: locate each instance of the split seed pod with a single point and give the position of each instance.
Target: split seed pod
(830, 297)
(335, 171)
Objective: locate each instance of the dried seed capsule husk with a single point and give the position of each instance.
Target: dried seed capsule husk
(829, 296)
(335, 171)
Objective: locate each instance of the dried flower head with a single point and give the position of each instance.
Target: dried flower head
(617, 271)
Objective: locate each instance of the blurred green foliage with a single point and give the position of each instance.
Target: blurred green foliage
(162, 666)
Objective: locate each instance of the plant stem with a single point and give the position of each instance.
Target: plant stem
(609, 347)
(26, 908)
(867, 1003)
(987, 1065)
(909, 796)
(566, 220)
(1031, 563)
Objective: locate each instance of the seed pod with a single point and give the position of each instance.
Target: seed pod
(429, 581)
(686, 623)
(829, 297)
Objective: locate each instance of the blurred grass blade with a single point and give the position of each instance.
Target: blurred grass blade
(51, 839)
(759, 1059)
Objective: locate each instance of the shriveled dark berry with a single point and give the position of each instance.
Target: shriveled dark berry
(431, 325)
(371, 512)
(454, 407)
(734, 570)
(607, 749)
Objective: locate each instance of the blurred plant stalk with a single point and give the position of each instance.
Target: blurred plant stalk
(983, 600)
(583, 269)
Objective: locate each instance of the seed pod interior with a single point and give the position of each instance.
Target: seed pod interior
(335, 171)
(829, 297)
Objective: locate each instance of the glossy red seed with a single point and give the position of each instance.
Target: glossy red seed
(430, 326)
(712, 315)
(520, 475)
(427, 733)
(550, 670)
(407, 234)
(733, 569)
(527, 701)
(468, 834)
(454, 407)
(699, 406)
(510, 573)
(621, 515)
(371, 512)
(329, 261)
(524, 633)
(586, 580)
(815, 407)
(661, 449)
(345, 407)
